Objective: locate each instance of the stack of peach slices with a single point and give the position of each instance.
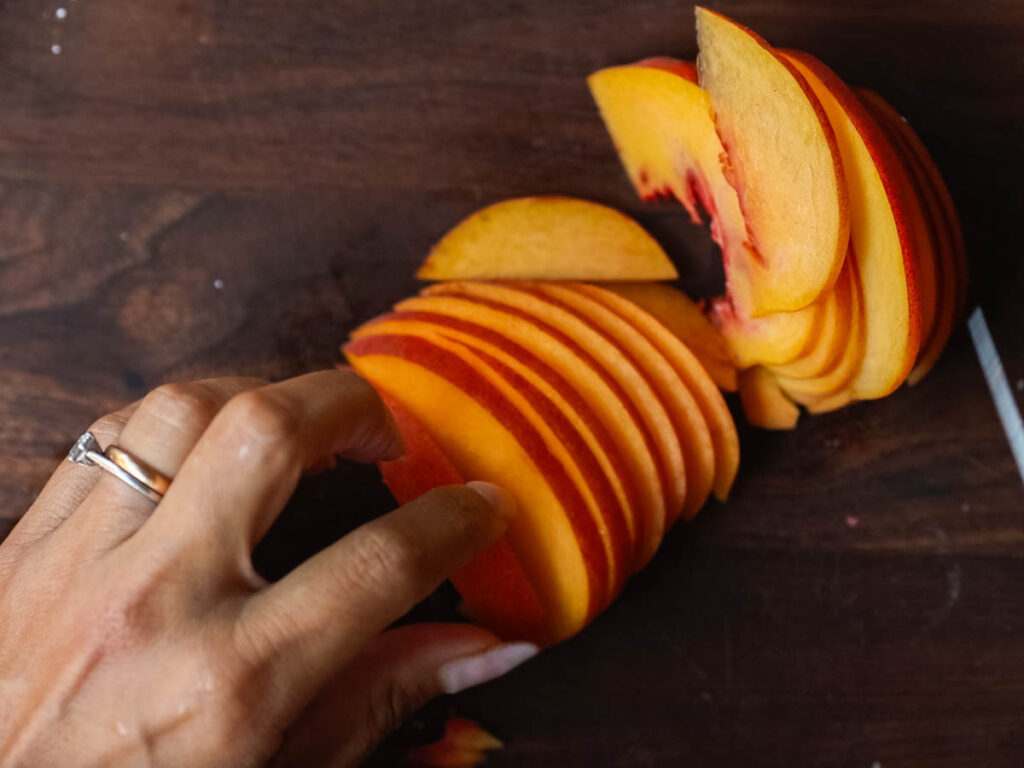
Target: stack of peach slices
(551, 356)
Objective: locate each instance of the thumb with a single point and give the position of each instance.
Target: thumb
(397, 674)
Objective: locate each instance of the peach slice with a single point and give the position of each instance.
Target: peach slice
(764, 403)
(561, 437)
(920, 228)
(463, 746)
(693, 374)
(880, 233)
(833, 337)
(680, 315)
(810, 391)
(938, 186)
(614, 408)
(608, 355)
(623, 525)
(487, 439)
(690, 427)
(782, 159)
(774, 339)
(661, 124)
(547, 238)
(495, 590)
(945, 228)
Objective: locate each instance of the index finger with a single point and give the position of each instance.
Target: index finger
(246, 465)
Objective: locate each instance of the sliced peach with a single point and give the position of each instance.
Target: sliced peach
(833, 337)
(462, 746)
(831, 403)
(495, 589)
(782, 159)
(880, 234)
(688, 421)
(546, 380)
(561, 437)
(614, 408)
(607, 354)
(487, 439)
(919, 225)
(678, 313)
(547, 238)
(693, 374)
(938, 186)
(808, 391)
(662, 126)
(764, 403)
(774, 339)
(945, 229)
(660, 122)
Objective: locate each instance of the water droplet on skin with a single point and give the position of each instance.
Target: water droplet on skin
(218, 284)
(122, 728)
(61, 13)
(55, 49)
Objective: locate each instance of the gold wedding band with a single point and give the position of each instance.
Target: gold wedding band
(138, 469)
(122, 465)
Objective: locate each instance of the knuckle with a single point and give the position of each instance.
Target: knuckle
(108, 428)
(264, 415)
(185, 407)
(387, 560)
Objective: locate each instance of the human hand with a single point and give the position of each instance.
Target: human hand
(140, 635)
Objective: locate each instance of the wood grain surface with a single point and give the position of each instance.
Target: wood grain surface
(203, 187)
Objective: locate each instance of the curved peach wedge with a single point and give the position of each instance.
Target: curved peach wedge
(773, 339)
(619, 369)
(783, 161)
(944, 229)
(687, 419)
(832, 338)
(692, 373)
(544, 379)
(495, 589)
(880, 234)
(660, 122)
(681, 316)
(451, 402)
(764, 402)
(547, 238)
(833, 384)
(615, 410)
(556, 428)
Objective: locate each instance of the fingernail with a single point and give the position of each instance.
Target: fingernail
(460, 674)
(501, 501)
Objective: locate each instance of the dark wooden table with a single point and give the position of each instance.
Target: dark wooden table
(198, 187)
